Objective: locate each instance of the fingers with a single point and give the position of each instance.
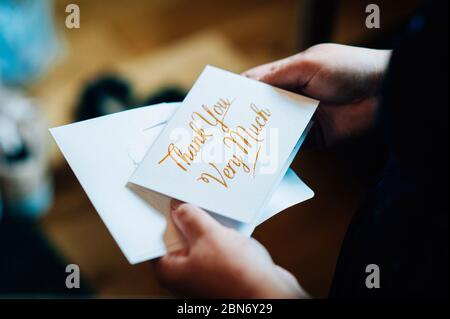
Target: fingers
(259, 72)
(294, 288)
(285, 275)
(273, 73)
(292, 73)
(171, 266)
(192, 221)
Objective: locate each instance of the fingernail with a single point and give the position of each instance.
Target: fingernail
(174, 204)
(177, 214)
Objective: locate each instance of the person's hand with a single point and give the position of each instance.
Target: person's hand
(221, 263)
(345, 79)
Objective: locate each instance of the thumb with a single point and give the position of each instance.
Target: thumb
(292, 73)
(192, 221)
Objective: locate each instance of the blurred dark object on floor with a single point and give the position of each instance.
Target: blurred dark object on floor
(166, 95)
(110, 94)
(29, 265)
(106, 95)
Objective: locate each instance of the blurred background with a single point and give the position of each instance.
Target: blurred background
(130, 53)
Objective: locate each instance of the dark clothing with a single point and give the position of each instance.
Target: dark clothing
(403, 225)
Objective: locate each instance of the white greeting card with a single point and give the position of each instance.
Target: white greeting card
(103, 153)
(228, 146)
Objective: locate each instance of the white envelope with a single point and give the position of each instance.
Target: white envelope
(103, 152)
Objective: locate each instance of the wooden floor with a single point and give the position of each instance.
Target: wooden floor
(114, 35)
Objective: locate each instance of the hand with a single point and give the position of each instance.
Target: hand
(221, 263)
(345, 79)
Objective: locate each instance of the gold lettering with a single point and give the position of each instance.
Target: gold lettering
(204, 177)
(244, 138)
(170, 153)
